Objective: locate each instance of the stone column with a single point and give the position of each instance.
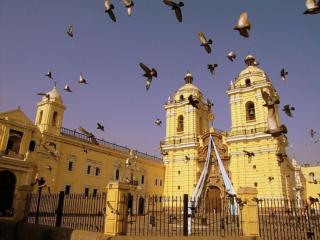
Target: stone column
(20, 202)
(249, 211)
(116, 208)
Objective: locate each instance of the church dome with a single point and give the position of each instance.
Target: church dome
(54, 95)
(188, 89)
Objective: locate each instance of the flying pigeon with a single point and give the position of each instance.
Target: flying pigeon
(312, 132)
(158, 122)
(149, 74)
(88, 134)
(281, 157)
(209, 103)
(312, 7)
(164, 153)
(70, 31)
(67, 88)
(249, 154)
(128, 4)
(100, 127)
(243, 25)
(206, 44)
(212, 68)
(231, 56)
(82, 79)
(45, 95)
(193, 102)
(283, 74)
(108, 9)
(288, 110)
(176, 7)
(49, 74)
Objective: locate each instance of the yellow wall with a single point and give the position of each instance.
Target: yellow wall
(312, 183)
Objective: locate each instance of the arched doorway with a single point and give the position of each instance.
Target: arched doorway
(141, 206)
(7, 187)
(130, 203)
(213, 198)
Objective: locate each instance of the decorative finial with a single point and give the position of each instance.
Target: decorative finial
(250, 60)
(188, 78)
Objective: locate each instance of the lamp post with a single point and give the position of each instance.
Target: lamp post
(41, 183)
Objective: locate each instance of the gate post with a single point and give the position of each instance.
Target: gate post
(59, 210)
(20, 203)
(116, 208)
(249, 211)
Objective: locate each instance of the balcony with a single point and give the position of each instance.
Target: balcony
(114, 146)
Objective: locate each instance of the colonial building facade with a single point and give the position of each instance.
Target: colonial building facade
(73, 162)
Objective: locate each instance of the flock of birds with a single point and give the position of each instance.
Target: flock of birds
(243, 26)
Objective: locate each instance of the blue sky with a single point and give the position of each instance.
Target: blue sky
(33, 40)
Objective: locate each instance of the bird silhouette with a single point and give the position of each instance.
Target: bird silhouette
(212, 68)
(204, 42)
(312, 7)
(193, 102)
(231, 56)
(100, 127)
(128, 4)
(283, 74)
(243, 25)
(82, 79)
(88, 134)
(109, 9)
(47, 95)
(312, 132)
(149, 74)
(249, 154)
(67, 88)
(49, 74)
(164, 153)
(210, 104)
(176, 7)
(158, 122)
(187, 157)
(70, 31)
(288, 110)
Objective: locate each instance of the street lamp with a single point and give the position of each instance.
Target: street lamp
(41, 183)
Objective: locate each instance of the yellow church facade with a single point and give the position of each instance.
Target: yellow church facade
(67, 160)
(73, 162)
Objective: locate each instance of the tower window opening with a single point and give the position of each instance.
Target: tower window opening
(54, 119)
(256, 184)
(248, 82)
(40, 117)
(250, 111)
(180, 124)
(32, 145)
(181, 98)
(117, 175)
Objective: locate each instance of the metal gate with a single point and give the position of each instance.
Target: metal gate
(168, 216)
(289, 219)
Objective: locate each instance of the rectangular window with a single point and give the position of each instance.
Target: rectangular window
(70, 166)
(88, 169)
(142, 179)
(160, 182)
(86, 191)
(67, 189)
(95, 191)
(156, 181)
(97, 171)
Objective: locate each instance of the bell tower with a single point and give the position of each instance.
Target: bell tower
(269, 170)
(184, 126)
(50, 112)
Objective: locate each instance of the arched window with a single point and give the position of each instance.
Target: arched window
(32, 145)
(181, 98)
(40, 117)
(311, 177)
(248, 82)
(180, 124)
(250, 111)
(200, 125)
(54, 119)
(117, 175)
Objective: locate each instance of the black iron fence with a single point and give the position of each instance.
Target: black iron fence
(77, 211)
(172, 216)
(289, 219)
